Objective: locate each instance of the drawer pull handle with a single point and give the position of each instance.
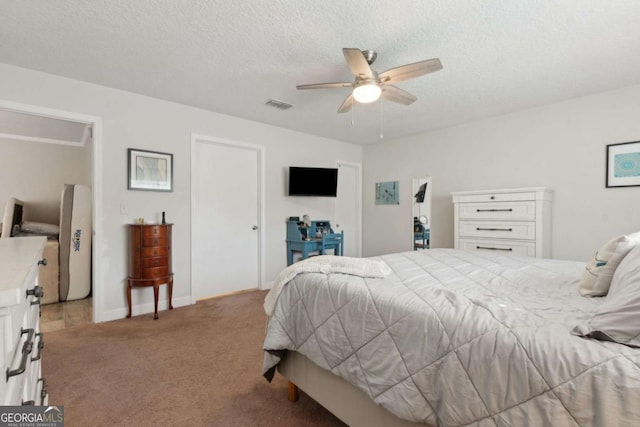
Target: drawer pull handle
(37, 291)
(44, 391)
(493, 229)
(494, 210)
(27, 347)
(43, 261)
(40, 347)
(494, 249)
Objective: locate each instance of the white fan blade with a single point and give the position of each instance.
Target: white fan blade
(324, 85)
(346, 105)
(395, 94)
(357, 62)
(409, 71)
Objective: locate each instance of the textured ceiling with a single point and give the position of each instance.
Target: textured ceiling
(232, 56)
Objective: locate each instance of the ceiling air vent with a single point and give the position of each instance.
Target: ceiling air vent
(278, 104)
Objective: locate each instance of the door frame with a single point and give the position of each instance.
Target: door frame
(260, 150)
(358, 168)
(96, 246)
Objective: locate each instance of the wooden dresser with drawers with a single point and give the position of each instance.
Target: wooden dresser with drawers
(513, 221)
(150, 260)
(21, 341)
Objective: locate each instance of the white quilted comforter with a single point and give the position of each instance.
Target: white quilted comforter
(453, 338)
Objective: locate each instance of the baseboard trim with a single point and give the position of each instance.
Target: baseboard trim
(226, 294)
(142, 309)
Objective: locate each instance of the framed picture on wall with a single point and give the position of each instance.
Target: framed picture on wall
(387, 193)
(149, 170)
(623, 164)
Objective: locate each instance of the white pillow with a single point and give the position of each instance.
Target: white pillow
(627, 274)
(618, 318)
(599, 271)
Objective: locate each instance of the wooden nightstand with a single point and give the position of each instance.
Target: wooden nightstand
(150, 260)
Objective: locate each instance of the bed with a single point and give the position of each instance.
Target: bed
(456, 338)
(67, 275)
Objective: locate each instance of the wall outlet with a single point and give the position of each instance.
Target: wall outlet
(123, 209)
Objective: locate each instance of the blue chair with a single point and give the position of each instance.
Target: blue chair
(333, 241)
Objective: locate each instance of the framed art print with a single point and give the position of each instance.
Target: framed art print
(623, 164)
(387, 193)
(149, 170)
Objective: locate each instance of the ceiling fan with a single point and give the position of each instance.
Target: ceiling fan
(368, 85)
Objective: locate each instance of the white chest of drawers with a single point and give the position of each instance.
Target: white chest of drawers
(21, 381)
(515, 221)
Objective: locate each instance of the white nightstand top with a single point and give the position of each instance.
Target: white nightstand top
(17, 257)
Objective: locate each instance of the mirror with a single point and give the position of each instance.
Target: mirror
(421, 220)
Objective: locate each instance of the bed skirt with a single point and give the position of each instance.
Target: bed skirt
(343, 400)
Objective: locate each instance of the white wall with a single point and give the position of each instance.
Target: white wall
(560, 146)
(36, 172)
(133, 121)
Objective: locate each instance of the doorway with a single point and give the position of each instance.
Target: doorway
(67, 129)
(348, 208)
(227, 211)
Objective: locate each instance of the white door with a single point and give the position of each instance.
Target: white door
(225, 218)
(348, 215)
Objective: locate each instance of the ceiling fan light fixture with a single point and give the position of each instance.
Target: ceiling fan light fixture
(368, 84)
(367, 93)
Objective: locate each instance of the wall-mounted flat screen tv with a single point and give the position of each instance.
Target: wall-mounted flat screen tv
(321, 182)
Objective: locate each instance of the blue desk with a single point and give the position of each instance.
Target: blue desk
(304, 239)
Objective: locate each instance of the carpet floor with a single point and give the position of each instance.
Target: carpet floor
(198, 365)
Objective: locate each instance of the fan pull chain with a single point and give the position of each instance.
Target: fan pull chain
(381, 120)
(352, 106)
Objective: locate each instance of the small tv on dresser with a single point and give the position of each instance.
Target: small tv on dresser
(321, 182)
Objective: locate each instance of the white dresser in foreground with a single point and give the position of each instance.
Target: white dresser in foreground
(20, 336)
(515, 221)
